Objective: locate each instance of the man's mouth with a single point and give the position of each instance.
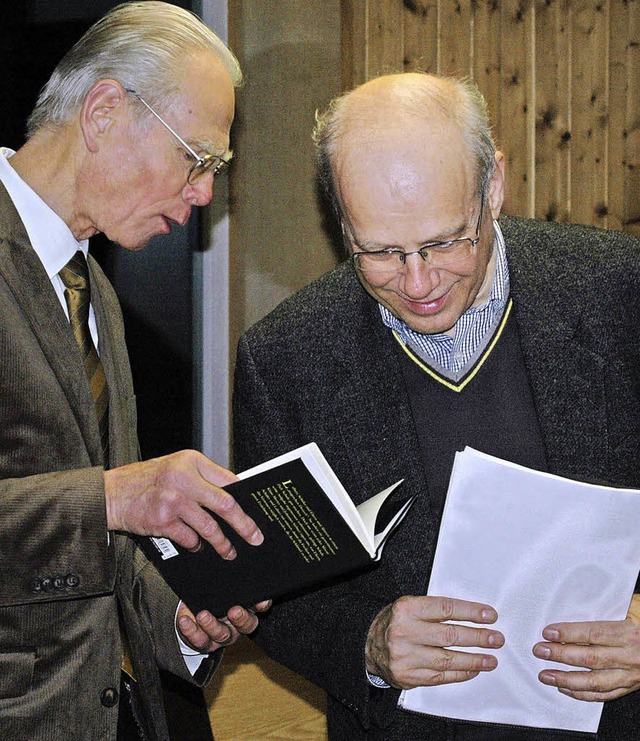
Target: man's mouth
(170, 222)
(427, 308)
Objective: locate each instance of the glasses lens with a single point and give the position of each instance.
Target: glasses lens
(449, 252)
(393, 261)
(208, 163)
(377, 262)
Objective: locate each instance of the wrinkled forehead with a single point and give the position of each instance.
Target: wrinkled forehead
(401, 166)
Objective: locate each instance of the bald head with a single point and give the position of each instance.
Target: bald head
(410, 111)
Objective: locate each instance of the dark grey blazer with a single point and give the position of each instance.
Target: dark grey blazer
(321, 367)
(59, 633)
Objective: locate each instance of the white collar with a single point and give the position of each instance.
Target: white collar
(50, 236)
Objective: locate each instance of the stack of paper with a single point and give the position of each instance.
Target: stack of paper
(540, 549)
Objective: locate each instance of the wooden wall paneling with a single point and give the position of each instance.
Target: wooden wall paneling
(553, 111)
(486, 59)
(619, 25)
(454, 38)
(517, 105)
(562, 83)
(353, 30)
(589, 87)
(632, 180)
(385, 37)
(420, 35)
(631, 131)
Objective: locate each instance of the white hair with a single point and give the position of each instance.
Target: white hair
(458, 101)
(141, 45)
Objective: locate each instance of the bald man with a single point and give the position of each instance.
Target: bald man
(449, 325)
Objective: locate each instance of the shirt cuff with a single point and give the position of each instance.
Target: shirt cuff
(377, 681)
(192, 657)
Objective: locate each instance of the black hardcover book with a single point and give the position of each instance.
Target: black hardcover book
(312, 532)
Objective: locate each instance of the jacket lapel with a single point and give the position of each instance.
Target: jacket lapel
(28, 281)
(567, 377)
(123, 446)
(372, 411)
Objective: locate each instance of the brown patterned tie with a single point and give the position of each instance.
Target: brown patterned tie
(75, 276)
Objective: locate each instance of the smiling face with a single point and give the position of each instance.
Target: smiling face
(402, 184)
(136, 186)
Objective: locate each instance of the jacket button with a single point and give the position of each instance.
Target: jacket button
(109, 697)
(46, 583)
(35, 586)
(59, 582)
(73, 581)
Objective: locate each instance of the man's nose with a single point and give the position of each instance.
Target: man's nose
(200, 193)
(419, 276)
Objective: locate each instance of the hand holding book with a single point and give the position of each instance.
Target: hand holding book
(313, 532)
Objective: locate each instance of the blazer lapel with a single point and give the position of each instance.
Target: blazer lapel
(372, 411)
(113, 355)
(26, 277)
(567, 378)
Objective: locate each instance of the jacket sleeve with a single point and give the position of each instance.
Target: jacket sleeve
(53, 537)
(159, 603)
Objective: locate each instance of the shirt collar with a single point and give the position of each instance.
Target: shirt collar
(50, 236)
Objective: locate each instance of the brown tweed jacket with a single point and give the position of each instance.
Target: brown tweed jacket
(63, 580)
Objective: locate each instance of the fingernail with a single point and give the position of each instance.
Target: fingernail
(551, 634)
(231, 554)
(542, 652)
(488, 615)
(547, 678)
(184, 622)
(257, 537)
(489, 662)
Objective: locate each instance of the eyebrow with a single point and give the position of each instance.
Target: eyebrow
(370, 246)
(208, 147)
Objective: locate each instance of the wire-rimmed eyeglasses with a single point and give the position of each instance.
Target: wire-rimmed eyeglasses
(203, 164)
(393, 260)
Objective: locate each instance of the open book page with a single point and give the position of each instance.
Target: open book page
(314, 460)
(370, 510)
(361, 519)
(540, 549)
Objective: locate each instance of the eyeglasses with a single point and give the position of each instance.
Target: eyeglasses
(203, 163)
(391, 261)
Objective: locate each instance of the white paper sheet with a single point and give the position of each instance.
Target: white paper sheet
(540, 549)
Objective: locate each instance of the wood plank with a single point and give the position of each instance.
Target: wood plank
(253, 698)
(385, 37)
(420, 20)
(454, 38)
(552, 135)
(353, 31)
(517, 104)
(631, 133)
(589, 112)
(486, 60)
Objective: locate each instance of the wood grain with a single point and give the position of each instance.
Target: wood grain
(252, 698)
(561, 79)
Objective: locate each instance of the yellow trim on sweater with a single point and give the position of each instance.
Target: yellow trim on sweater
(467, 379)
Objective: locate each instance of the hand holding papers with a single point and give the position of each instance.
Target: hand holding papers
(540, 549)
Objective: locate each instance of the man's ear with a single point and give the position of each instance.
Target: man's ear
(102, 105)
(496, 187)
